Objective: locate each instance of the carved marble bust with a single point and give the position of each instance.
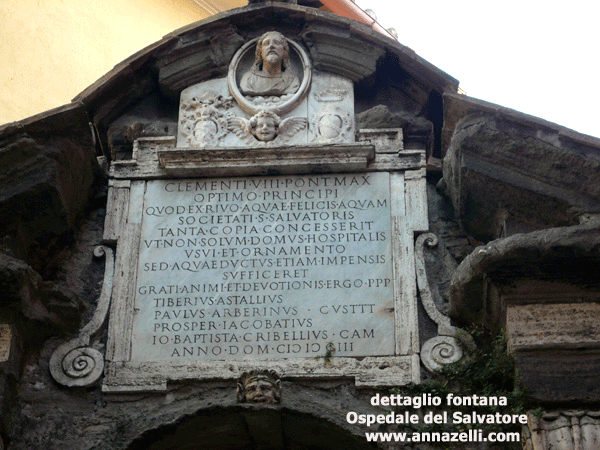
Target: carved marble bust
(271, 73)
(259, 386)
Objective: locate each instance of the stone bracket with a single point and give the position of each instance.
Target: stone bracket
(76, 363)
(445, 348)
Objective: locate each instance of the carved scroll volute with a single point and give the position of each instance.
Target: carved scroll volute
(76, 363)
(445, 348)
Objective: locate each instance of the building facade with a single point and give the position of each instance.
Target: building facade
(250, 232)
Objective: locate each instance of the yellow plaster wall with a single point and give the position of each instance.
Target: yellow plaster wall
(51, 50)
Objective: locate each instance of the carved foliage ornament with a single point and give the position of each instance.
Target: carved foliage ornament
(204, 119)
(259, 386)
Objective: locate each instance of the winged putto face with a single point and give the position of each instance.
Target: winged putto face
(266, 127)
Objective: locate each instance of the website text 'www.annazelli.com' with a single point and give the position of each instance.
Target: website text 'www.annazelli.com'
(472, 425)
(445, 436)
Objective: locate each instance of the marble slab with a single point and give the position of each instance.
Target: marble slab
(264, 268)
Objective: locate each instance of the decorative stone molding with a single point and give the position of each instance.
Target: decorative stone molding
(499, 160)
(543, 249)
(76, 363)
(195, 56)
(337, 51)
(366, 372)
(563, 430)
(283, 160)
(158, 157)
(259, 386)
(445, 348)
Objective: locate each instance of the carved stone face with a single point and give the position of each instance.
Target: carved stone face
(273, 49)
(259, 386)
(260, 390)
(205, 130)
(265, 129)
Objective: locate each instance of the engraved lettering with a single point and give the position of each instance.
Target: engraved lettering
(267, 267)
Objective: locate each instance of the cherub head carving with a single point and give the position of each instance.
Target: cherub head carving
(264, 126)
(259, 386)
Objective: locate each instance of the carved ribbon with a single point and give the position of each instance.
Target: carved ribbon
(75, 363)
(444, 348)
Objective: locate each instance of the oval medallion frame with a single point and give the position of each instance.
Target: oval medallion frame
(280, 108)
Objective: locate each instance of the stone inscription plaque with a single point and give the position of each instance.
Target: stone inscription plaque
(264, 268)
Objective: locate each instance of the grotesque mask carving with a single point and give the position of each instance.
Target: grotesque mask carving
(259, 386)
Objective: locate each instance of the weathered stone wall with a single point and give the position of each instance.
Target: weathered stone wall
(49, 194)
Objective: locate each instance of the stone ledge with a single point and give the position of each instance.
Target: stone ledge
(265, 161)
(568, 255)
(508, 172)
(366, 372)
(158, 157)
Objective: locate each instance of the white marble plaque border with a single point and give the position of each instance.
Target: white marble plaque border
(408, 216)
